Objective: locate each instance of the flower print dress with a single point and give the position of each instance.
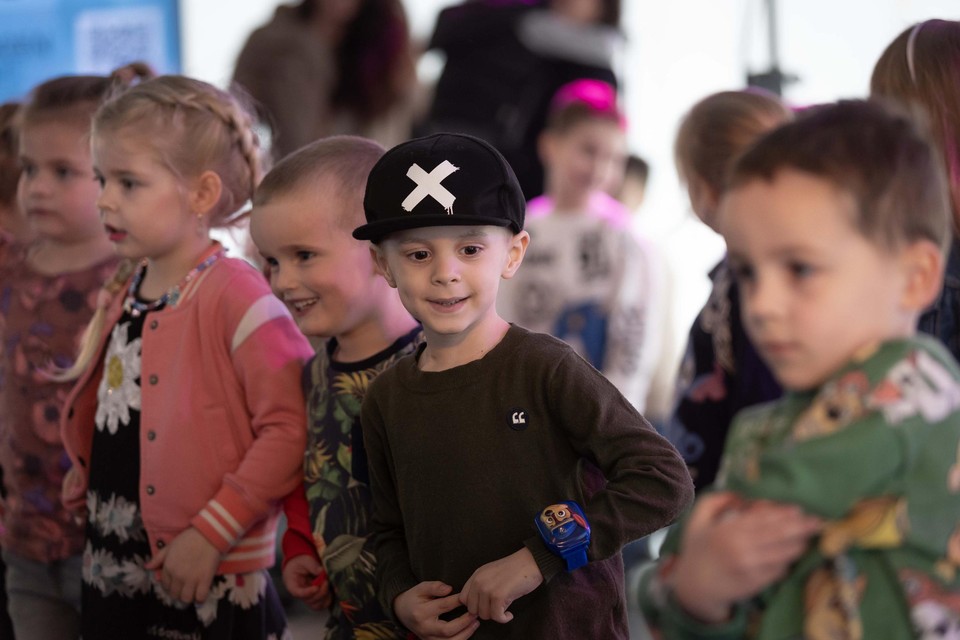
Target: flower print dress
(116, 585)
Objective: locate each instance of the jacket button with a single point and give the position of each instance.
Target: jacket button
(150, 490)
(154, 324)
(161, 544)
(154, 379)
(151, 435)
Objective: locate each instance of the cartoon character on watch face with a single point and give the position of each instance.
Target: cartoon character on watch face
(565, 525)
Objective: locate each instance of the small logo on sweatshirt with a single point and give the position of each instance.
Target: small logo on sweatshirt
(517, 419)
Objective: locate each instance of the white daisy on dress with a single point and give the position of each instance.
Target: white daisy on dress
(207, 610)
(246, 590)
(118, 391)
(135, 579)
(119, 518)
(100, 569)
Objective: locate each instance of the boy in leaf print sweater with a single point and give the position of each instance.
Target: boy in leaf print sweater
(303, 213)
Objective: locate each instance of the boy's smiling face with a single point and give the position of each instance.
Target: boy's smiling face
(814, 290)
(326, 278)
(448, 276)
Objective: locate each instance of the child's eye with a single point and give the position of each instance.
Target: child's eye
(472, 250)
(28, 168)
(62, 172)
(99, 180)
(742, 273)
(271, 262)
(303, 256)
(127, 184)
(801, 270)
(418, 256)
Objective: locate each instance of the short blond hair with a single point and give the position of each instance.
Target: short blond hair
(346, 160)
(720, 127)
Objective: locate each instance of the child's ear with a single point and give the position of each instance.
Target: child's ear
(380, 262)
(546, 146)
(923, 264)
(205, 193)
(515, 251)
(704, 200)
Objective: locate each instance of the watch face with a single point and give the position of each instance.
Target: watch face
(564, 526)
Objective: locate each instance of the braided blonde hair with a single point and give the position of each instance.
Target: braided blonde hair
(194, 127)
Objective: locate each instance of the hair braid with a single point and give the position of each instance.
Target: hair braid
(189, 105)
(237, 122)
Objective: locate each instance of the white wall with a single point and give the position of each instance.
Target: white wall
(682, 50)
(678, 52)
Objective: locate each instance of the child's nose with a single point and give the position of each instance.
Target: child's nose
(36, 185)
(105, 200)
(282, 278)
(445, 270)
(762, 299)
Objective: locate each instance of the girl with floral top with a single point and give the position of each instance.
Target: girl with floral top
(186, 426)
(51, 269)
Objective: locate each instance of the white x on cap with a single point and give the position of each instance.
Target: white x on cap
(428, 184)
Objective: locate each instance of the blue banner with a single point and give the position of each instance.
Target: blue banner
(40, 39)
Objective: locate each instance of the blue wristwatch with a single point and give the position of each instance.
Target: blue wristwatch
(566, 532)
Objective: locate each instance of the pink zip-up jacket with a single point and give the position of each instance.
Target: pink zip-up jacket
(223, 425)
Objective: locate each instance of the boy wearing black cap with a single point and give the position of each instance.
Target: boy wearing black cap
(500, 461)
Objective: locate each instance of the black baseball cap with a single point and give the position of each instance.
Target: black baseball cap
(438, 180)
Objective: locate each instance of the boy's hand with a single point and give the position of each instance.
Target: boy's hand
(493, 587)
(420, 608)
(300, 577)
(732, 550)
(187, 566)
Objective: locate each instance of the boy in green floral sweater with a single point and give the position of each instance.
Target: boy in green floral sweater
(304, 211)
(837, 510)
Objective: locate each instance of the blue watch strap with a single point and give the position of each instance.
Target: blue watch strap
(575, 558)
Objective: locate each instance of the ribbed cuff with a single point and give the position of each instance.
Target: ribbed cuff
(550, 564)
(393, 587)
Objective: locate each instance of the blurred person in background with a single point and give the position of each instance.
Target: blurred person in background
(505, 59)
(325, 67)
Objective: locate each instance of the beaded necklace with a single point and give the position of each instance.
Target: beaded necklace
(135, 307)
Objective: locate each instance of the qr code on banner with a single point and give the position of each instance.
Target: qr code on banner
(105, 39)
